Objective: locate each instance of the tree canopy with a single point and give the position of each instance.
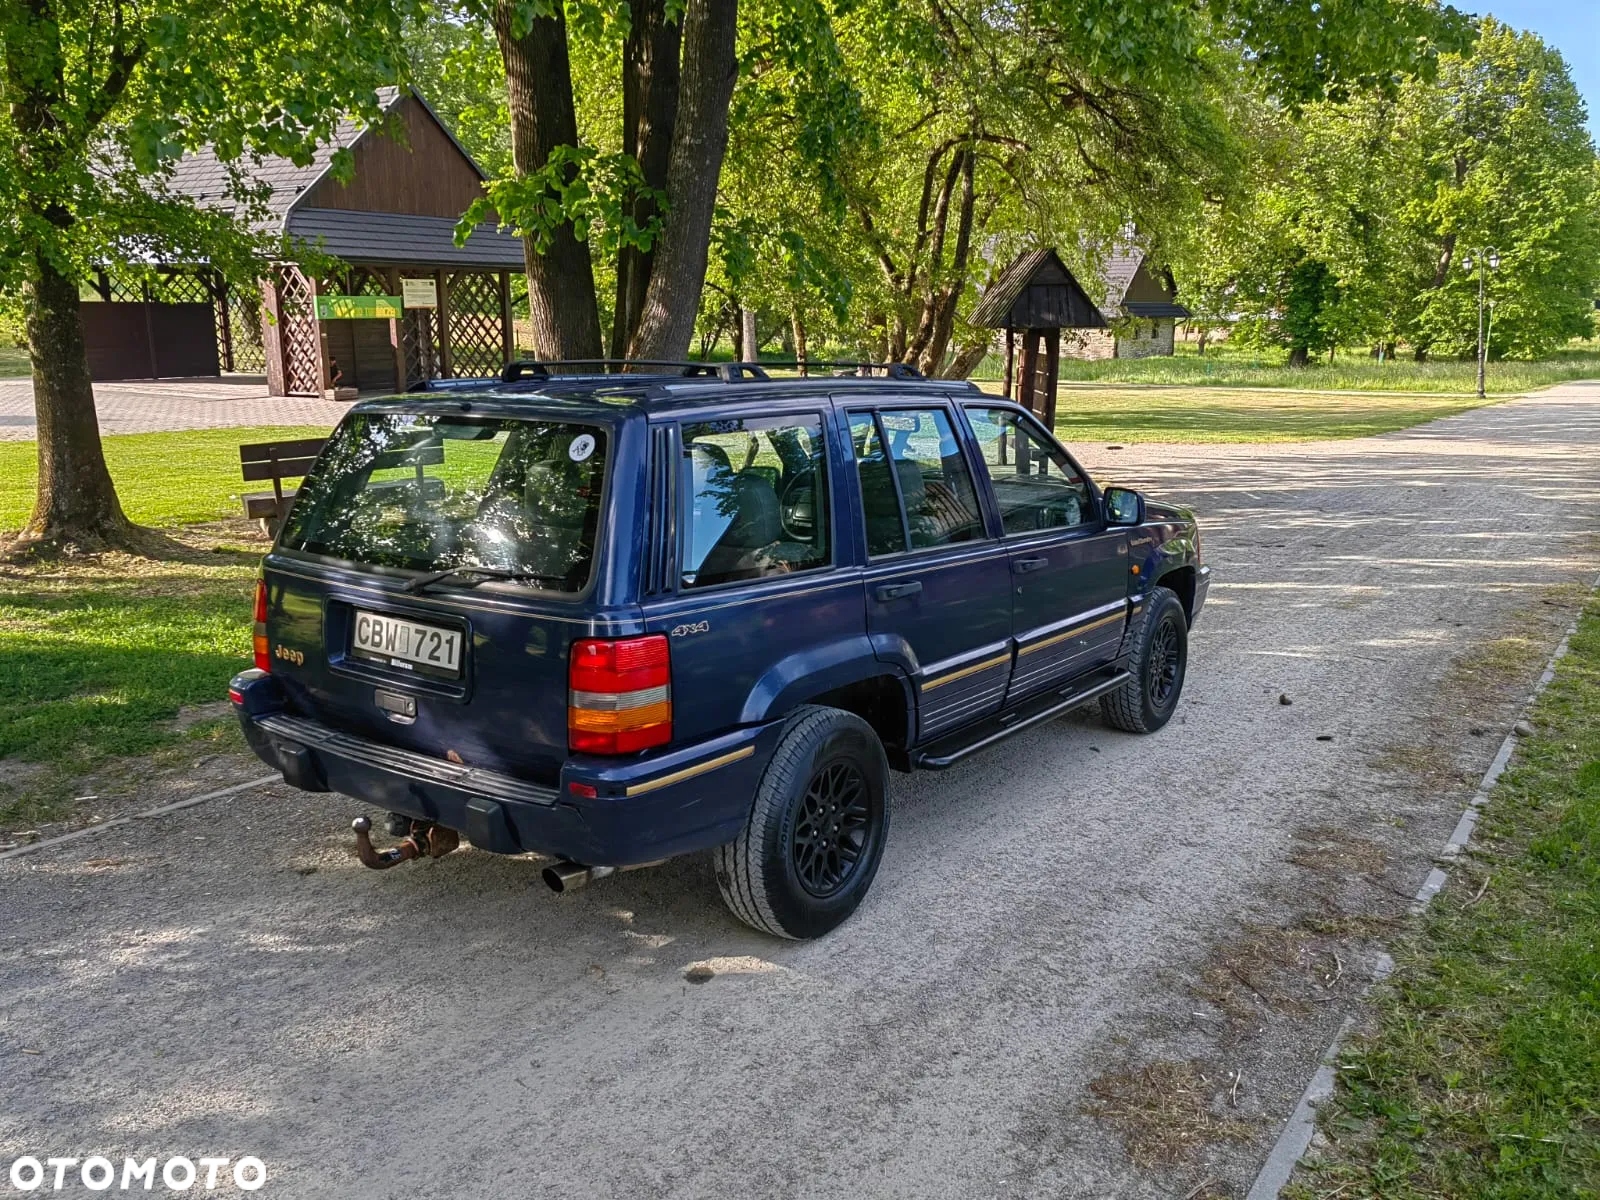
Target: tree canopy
(1362, 213)
(97, 99)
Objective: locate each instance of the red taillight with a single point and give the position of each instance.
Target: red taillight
(263, 660)
(620, 697)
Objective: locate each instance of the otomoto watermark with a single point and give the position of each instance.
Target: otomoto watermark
(100, 1173)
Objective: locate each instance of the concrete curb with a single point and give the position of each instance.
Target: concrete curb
(163, 810)
(1297, 1133)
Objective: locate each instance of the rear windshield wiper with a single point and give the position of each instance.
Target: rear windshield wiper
(423, 582)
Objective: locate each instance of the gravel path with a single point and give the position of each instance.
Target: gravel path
(229, 981)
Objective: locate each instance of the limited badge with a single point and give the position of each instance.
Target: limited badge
(582, 446)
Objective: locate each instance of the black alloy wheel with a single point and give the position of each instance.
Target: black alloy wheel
(831, 829)
(818, 823)
(1158, 659)
(1165, 661)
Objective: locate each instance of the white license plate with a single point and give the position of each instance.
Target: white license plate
(400, 642)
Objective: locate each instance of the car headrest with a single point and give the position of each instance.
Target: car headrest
(912, 485)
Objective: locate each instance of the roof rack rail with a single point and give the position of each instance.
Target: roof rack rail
(527, 368)
(729, 372)
(891, 370)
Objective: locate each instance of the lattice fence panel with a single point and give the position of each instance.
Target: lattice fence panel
(302, 374)
(126, 291)
(476, 347)
(244, 329)
(180, 287)
(369, 283)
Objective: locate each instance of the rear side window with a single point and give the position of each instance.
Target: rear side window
(424, 492)
(910, 466)
(755, 498)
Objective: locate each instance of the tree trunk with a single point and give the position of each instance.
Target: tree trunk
(561, 295)
(76, 504)
(949, 294)
(799, 339)
(1299, 356)
(650, 80)
(699, 141)
(749, 337)
(966, 359)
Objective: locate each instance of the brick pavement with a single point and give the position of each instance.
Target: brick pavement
(148, 406)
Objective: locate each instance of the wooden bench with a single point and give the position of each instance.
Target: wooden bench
(276, 461)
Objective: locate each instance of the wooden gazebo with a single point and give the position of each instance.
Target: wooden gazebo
(1037, 297)
(408, 304)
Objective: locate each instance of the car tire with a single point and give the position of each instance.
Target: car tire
(776, 876)
(1158, 663)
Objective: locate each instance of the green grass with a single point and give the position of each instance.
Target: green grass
(100, 655)
(1231, 366)
(14, 361)
(170, 479)
(1483, 1077)
(1122, 415)
(163, 479)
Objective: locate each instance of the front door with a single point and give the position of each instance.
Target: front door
(937, 585)
(1070, 577)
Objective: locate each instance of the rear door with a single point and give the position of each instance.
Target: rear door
(471, 669)
(937, 584)
(751, 585)
(1070, 579)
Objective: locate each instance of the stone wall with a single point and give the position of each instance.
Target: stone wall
(1145, 338)
(1092, 345)
(1127, 339)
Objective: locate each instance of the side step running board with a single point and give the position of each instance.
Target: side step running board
(988, 732)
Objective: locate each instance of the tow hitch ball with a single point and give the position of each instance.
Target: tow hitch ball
(425, 838)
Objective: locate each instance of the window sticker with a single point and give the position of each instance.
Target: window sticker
(582, 446)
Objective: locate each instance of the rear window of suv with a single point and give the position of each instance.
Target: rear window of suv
(425, 492)
(755, 499)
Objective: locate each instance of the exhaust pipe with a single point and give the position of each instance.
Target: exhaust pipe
(566, 876)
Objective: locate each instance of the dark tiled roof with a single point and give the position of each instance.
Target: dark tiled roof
(1155, 308)
(397, 240)
(990, 312)
(204, 177)
(1057, 298)
(1121, 265)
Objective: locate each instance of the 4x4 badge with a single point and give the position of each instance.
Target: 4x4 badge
(686, 630)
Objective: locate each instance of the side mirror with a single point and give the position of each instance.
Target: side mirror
(1124, 506)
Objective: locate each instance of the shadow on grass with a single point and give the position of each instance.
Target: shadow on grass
(95, 666)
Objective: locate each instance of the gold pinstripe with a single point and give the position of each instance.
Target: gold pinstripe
(965, 671)
(1061, 637)
(710, 764)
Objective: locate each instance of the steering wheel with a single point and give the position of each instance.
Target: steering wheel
(797, 507)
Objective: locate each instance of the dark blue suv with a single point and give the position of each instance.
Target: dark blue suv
(615, 618)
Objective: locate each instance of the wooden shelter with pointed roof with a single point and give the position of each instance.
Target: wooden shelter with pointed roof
(392, 220)
(1037, 296)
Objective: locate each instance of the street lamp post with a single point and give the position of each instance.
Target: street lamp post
(1486, 260)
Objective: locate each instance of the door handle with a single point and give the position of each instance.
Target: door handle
(894, 591)
(1023, 565)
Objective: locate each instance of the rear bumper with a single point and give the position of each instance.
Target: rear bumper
(644, 808)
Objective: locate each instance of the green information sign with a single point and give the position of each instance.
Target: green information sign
(344, 308)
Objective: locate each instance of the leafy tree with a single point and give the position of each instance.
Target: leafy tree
(1064, 122)
(1503, 160)
(1360, 210)
(97, 99)
(649, 200)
